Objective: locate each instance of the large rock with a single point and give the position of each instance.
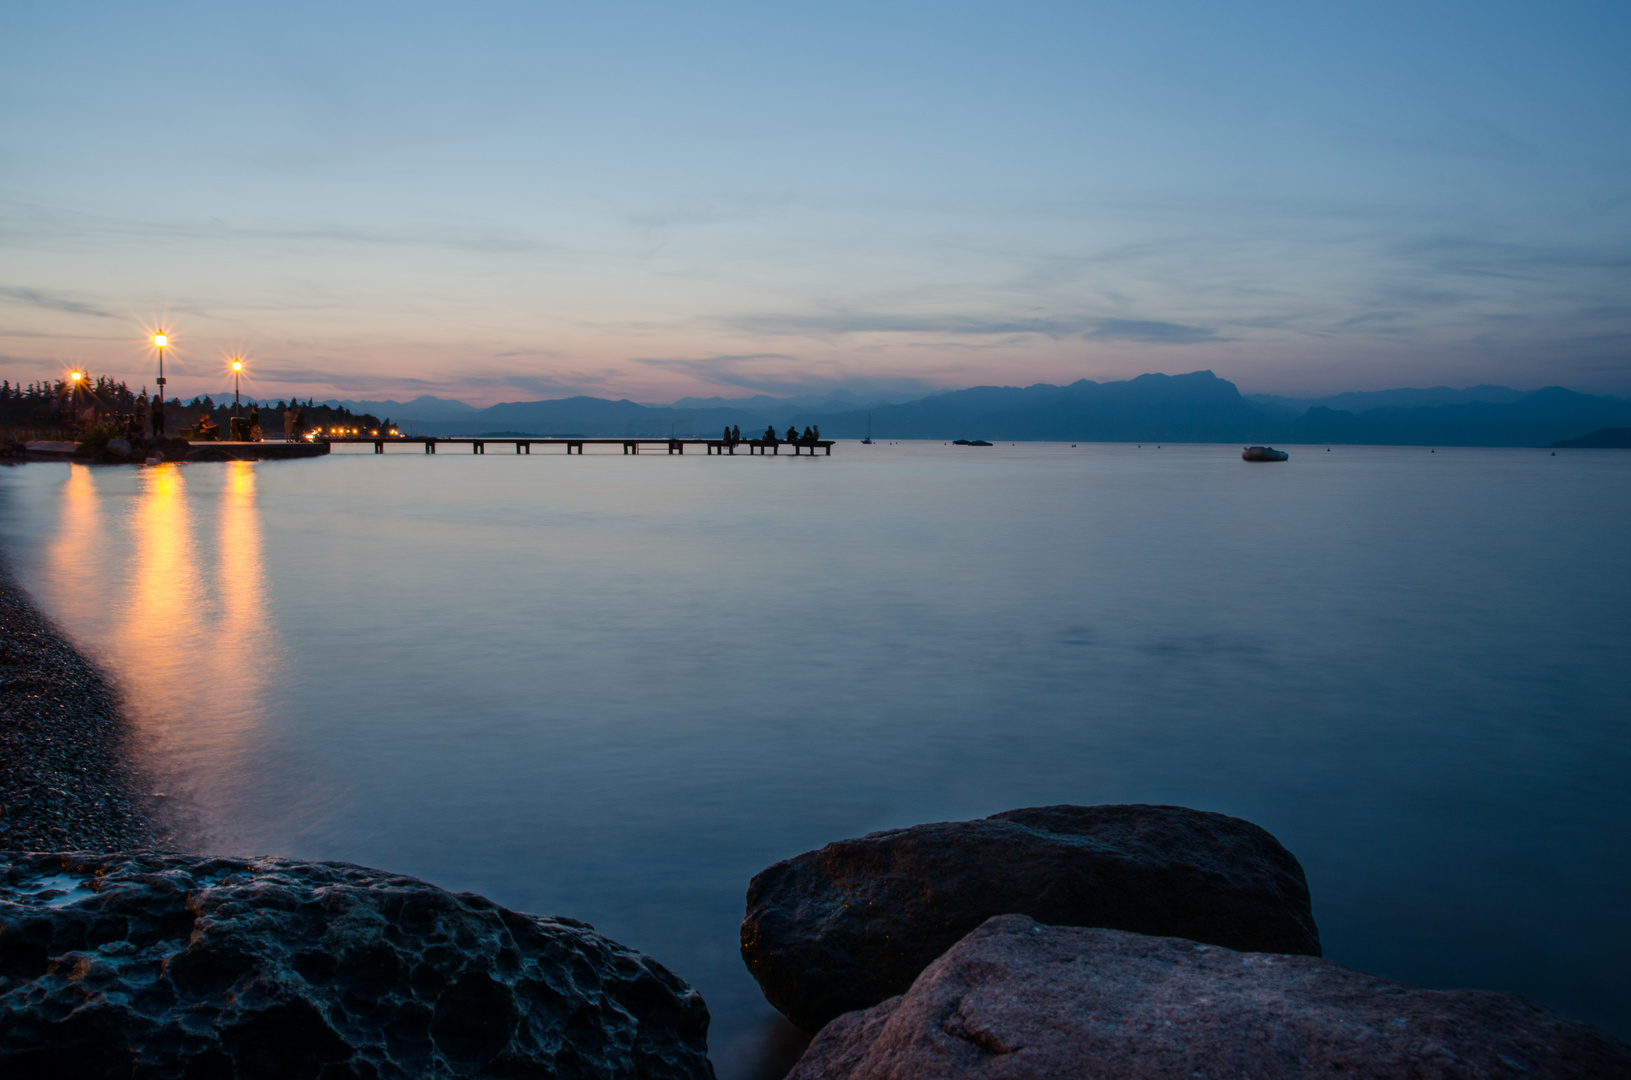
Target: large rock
(169, 966)
(1016, 999)
(847, 926)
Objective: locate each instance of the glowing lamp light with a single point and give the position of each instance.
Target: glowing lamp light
(76, 376)
(237, 365)
(161, 340)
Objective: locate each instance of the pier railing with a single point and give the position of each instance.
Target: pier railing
(574, 445)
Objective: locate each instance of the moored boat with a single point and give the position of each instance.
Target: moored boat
(1263, 453)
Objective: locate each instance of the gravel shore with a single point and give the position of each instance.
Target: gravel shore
(65, 779)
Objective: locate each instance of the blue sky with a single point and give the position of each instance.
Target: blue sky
(495, 201)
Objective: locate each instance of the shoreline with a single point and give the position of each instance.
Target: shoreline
(66, 778)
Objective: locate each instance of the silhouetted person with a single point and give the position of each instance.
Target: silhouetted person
(726, 438)
(818, 432)
(736, 433)
(207, 428)
(158, 416)
(254, 423)
(770, 434)
(808, 435)
(792, 433)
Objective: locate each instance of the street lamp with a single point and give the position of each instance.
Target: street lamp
(237, 366)
(160, 340)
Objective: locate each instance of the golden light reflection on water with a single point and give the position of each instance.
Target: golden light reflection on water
(162, 615)
(73, 550)
(244, 625)
(181, 618)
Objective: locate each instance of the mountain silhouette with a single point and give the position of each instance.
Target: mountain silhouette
(1196, 407)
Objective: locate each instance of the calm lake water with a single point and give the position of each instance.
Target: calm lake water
(616, 687)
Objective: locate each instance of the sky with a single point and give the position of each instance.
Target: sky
(500, 202)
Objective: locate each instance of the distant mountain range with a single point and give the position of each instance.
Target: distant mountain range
(1197, 407)
(1602, 439)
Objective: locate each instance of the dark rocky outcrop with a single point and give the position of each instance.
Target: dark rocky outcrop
(1016, 999)
(125, 449)
(849, 925)
(172, 966)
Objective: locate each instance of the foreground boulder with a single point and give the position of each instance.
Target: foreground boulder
(1016, 999)
(849, 925)
(171, 966)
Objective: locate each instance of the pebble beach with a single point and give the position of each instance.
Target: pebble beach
(66, 783)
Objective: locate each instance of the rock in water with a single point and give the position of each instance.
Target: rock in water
(172, 966)
(1016, 999)
(847, 926)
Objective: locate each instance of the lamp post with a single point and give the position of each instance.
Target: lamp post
(160, 340)
(237, 366)
(74, 378)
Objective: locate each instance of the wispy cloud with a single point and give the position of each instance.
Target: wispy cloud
(1603, 363)
(867, 322)
(549, 386)
(272, 370)
(31, 221)
(727, 369)
(1056, 327)
(709, 363)
(48, 301)
(527, 353)
(1468, 256)
(13, 358)
(784, 375)
(1164, 333)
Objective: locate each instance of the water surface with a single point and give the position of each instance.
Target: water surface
(616, 687)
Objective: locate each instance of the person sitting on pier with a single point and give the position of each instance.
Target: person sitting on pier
(208, 428)
(818, 433)
(770, 433)
(792, 434)
(736, 434)
(726, 438)
(809, 436)
(254, 426)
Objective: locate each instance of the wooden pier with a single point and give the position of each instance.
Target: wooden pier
(575, 445)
